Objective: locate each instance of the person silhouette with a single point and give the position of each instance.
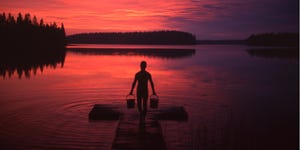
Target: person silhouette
(142, 89)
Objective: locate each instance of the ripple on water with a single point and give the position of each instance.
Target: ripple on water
(60, 125)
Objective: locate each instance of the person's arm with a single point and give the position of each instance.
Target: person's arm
(152, 85)
(133, 85)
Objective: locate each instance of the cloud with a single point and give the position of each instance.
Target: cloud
(214, 7)
(205, 18)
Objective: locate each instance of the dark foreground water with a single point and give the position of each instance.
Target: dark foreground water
(235, 99)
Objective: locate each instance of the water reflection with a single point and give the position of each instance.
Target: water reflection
(282, 53)
(233, 101)
(28, 64)
(150, 52)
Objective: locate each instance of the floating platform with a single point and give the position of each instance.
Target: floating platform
(104, 112)
(175, 113)
(109, 112)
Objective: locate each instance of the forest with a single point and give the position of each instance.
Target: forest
(27, 34)
(149, 37)
(273, 39)
(28, 45)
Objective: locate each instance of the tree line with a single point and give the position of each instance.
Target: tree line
(273, 39)
(149, 37)
(28, 34)
(28, 45)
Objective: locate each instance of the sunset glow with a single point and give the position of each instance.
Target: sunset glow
(149, 74)
(205, 18)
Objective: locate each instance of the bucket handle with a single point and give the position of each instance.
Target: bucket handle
(154, 95)
(130, 95)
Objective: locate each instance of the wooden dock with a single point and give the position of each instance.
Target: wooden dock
(136, 133)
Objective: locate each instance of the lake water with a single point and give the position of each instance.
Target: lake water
(234, 99)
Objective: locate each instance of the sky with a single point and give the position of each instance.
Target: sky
(206, 19)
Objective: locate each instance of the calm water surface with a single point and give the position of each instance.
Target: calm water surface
(234, 100)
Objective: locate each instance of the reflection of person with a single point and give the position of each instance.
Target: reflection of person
(142, 89)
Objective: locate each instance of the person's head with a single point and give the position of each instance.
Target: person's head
(143, 65)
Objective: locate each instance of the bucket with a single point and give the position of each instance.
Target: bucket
(130, 99)
(153, 101)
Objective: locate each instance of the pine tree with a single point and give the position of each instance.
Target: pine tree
(63, 28)
(34, 21)
(42, 23)
(19, 19)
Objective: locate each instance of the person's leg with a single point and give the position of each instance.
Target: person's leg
(145, 105)
(139, 104)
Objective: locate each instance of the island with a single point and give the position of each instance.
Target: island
(164, 37)
(273, 39)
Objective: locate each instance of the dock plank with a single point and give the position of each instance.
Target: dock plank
(136, 133)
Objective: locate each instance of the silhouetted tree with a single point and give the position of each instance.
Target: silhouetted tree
(42, 23)
(24, 35)
(2, 18)
(27, 44)
(10, 19)
(27, 19)
(34, 21)
(20, 18)
(62, 28)
(54, 25)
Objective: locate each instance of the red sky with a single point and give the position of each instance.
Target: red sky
(207, 19)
